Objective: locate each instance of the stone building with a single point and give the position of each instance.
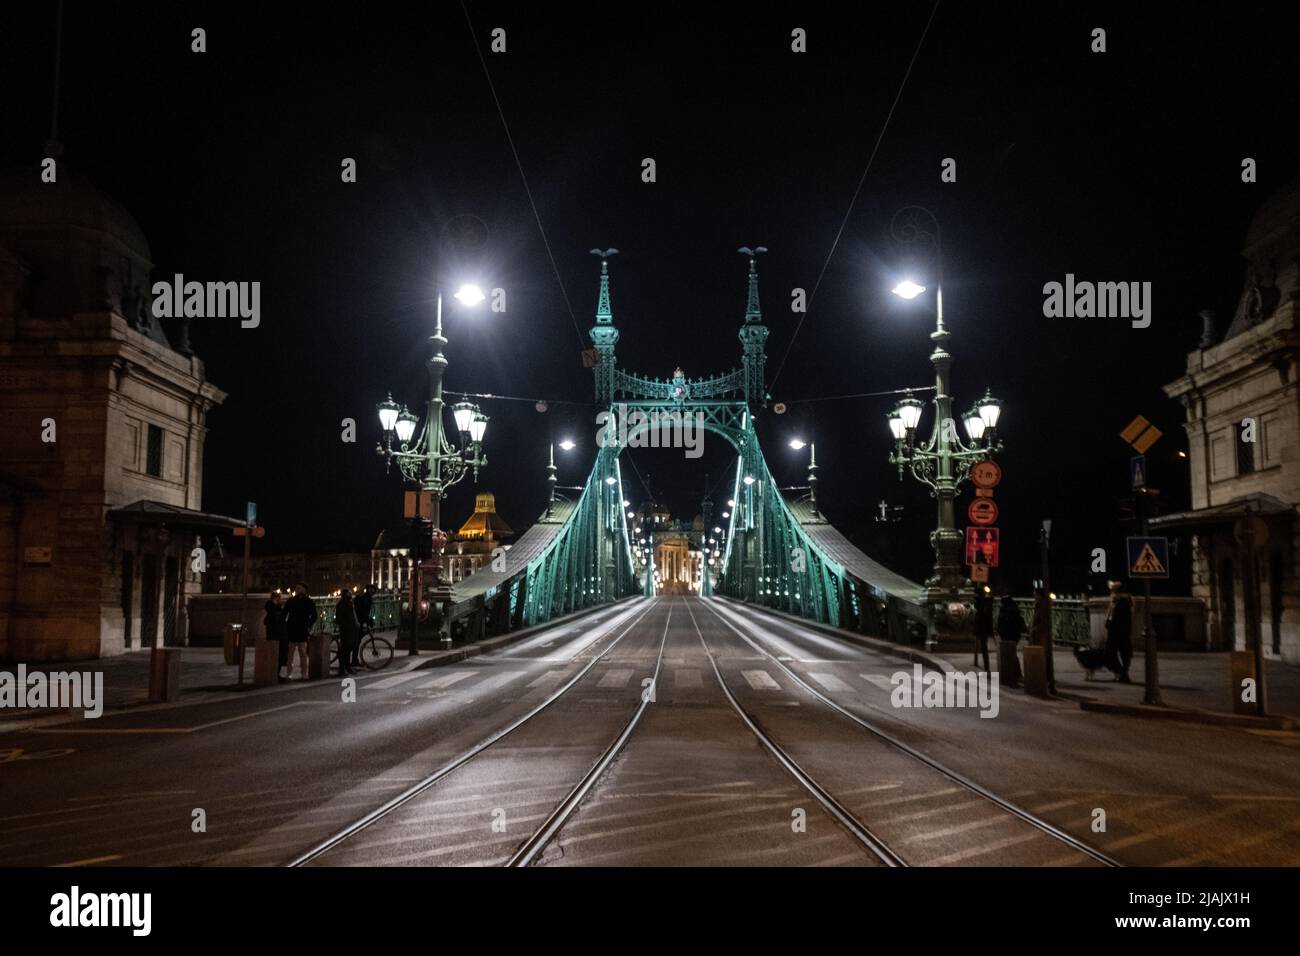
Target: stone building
(1243, 426)
(103, 413)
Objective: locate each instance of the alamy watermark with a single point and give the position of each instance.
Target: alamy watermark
(76, 909)
(59, 690)
(208, 300)
(625, 427)
(949, 689)
(1100, 300)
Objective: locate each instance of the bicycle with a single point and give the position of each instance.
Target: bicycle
(374, 652)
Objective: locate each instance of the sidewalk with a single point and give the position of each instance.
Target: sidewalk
(206, 677)
(1188, 681)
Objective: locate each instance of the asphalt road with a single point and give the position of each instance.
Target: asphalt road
(694, 768)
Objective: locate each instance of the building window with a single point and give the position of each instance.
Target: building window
(153, 458)
(1245, 453)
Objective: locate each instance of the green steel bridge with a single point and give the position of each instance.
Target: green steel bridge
(780, 552)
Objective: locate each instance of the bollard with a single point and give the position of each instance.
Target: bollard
(1036, 670)
(1242, 664)
(318, 656)
(165, 674)
(266, 663)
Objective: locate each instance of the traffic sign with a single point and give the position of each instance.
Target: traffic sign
(1137, 468)
(1148, 557)
(1141, 434)
(982, 511)
(243, 531)
(251, 514)
(982, 546)
(979, 573)
(986, 474)
(417, 504)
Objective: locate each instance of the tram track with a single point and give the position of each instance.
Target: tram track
(1049, 829)
(430, 780)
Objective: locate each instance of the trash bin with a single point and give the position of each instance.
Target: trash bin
(234, 635)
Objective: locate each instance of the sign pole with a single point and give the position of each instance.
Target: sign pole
(243, 609)
(1151, 656)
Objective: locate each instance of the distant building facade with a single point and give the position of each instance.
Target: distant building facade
(324, 574)
(103, 414)
(1243, 426)
(467, 550)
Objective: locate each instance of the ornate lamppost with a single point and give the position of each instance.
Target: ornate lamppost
(943, 461)
(431, 461)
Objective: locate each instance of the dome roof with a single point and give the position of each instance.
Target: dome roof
(28, 204)
(1278, 216)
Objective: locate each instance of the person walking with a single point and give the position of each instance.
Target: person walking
(983, 628)
(1011, 627)
(1119, 632)
(299, 618)
(273, 628)
(345, 616)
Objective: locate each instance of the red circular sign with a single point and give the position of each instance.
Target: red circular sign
(982, 511)
(986, 474)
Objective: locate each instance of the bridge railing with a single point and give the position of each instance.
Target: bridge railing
(1069, 619)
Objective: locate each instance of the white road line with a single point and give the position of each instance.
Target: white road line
(830, 682)
(169, 730)
(760, 680)
(616, 678)
(388, 682)
(444, 680)
(966, 854)
(687, 677)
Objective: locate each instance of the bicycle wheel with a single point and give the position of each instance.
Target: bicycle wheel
(376, 653)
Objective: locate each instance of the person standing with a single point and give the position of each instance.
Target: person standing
(345, 616)
(1119, 632)
(364, 605)
(299, 618)
(983, 628)
(1011, 627)
(273, 627)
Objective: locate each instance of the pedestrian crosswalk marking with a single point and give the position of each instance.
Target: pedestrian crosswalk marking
(1147, 562)
(497, 681)
(687, 677)
(549, 677)
(760, 680)
(878, 680)
(444, 681)
(388, 682)
(616, 678)
(830, 682)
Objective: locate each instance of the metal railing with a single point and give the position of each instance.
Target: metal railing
(385, 611)
(1069, 619)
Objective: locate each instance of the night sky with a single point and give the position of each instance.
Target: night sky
(1122, 166)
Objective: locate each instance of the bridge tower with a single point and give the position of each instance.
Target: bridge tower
(604, 336)
(753, 337)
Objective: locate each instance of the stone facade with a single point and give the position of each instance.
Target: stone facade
(83, 362)
(1244, 387)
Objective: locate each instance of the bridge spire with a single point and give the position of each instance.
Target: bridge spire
(753, 335)
(604, 335)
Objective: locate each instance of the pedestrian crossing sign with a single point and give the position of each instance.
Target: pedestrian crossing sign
(1148, 557)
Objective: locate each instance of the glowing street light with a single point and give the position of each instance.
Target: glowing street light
(907, 289)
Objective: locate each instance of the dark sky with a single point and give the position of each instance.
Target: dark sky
(1122, 166)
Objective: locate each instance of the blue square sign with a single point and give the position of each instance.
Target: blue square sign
(1138, 471)
(1148, 557)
